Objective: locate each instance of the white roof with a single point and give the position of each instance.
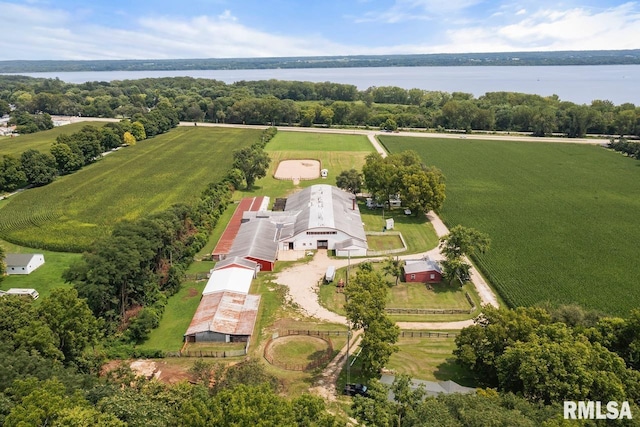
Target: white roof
(234, 279)
(325, 206)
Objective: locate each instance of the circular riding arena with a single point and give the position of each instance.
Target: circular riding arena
(298, 170)
(298, 352)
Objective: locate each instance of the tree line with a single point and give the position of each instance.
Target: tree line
(587, 57)
(296, 103)
(127, 277)
(70, 153)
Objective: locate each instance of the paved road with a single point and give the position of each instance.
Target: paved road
(419, 134)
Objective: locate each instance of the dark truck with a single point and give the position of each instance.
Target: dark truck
(355, 389)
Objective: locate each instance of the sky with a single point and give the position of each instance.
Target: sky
(162, 29)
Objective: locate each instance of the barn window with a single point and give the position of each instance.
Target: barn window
(413, 276)
(433, 276)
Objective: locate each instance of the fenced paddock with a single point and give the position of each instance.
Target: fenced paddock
(284, 338)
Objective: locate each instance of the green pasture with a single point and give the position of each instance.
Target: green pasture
(46, 277)
(430, 359)
(405, 295)
(40, 141)
(336, 152)
(168, 336)
(563, 218)
(76, 209)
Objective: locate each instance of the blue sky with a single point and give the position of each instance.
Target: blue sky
(142, 29)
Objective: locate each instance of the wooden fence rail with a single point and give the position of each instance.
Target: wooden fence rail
(427, 334)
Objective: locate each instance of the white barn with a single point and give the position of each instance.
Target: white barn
(325, 218)
(23, 263)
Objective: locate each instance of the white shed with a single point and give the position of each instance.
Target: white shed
(23, 263)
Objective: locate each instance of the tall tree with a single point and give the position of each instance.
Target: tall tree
(350, 180)
(253, 162)
(12, 175)
(460, 242)
(366, 298)
(70, 320)
(393, 267)
(39, 168)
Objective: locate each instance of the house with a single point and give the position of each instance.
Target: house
(22, 263)
(224, 317)
(424, 270)
(431, 388)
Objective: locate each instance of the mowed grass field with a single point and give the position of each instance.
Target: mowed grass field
(40, 141)
(336, 152)
(73, 211)
(563, 218)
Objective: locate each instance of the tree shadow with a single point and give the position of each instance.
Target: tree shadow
(450, 370)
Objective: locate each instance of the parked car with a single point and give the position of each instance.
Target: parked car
(355, 389)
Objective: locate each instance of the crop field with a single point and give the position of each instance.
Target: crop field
(40, 141)
(562, 218)
(73, 211)
(336, 152)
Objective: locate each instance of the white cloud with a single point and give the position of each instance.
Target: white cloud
(41, 32)
(549, 29)
(413, 10)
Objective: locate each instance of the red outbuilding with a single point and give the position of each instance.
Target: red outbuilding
(422, 271)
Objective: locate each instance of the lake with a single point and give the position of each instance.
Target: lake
(579, 84)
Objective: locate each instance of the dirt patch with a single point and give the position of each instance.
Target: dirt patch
(297, 170)
(192, 292)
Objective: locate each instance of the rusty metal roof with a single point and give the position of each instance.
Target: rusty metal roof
(231, 313)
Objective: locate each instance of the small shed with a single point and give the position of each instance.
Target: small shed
(423, 270)
(23, 263)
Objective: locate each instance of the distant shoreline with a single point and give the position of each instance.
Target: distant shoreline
(594, 57)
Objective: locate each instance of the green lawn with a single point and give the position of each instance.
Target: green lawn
(76, 209)
(336, 152)
(429, 359)
(45, 278)
(176, 318)
(407, 295)
(563, 218)
(40, 141)
(417, 231)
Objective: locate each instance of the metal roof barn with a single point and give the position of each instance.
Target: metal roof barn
(325, 206)
(223, 315)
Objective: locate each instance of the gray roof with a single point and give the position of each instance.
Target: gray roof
(325, 206)
(18, 260)
(422, 265)
(432, 388)
(256, 239)
(238, 261)
(350, 244)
